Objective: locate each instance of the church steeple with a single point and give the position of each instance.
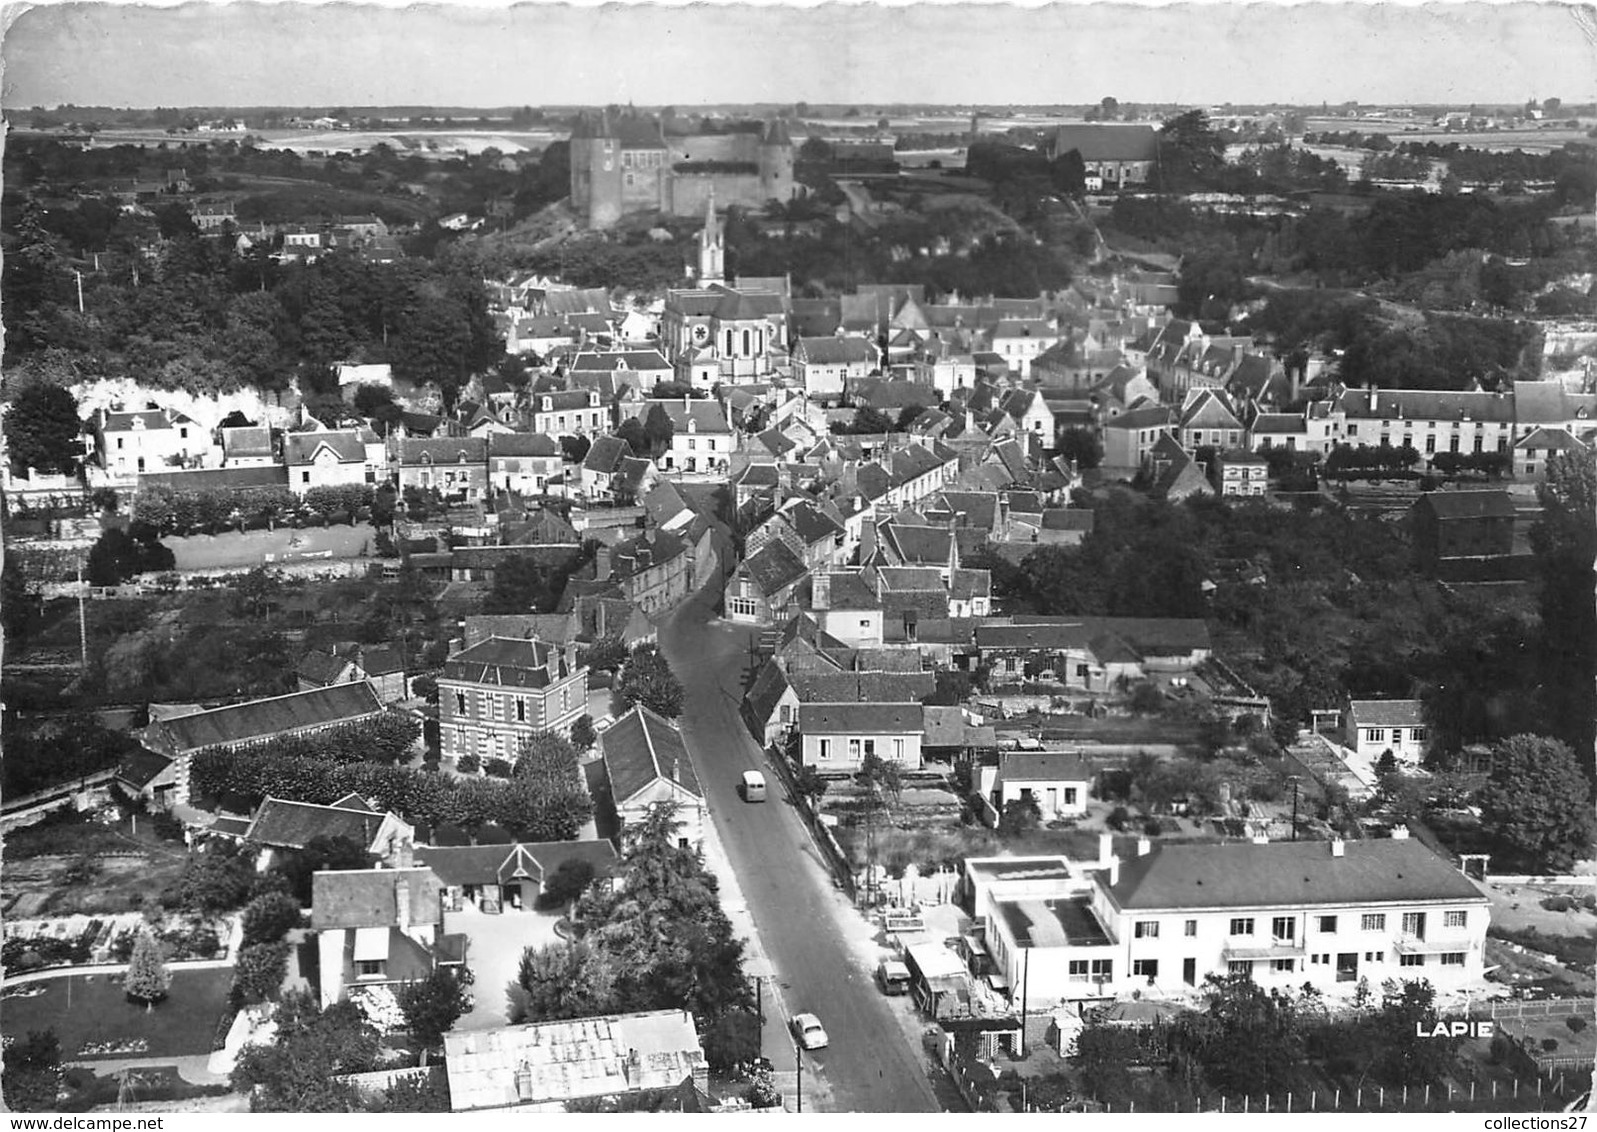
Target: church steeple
(712, 247)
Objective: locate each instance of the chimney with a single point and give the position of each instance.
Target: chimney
(601, 564)
(634, 1068)
(1400, 833)
(404, 854)
(1114, 871)
(821, 591)
(1338, 847)
(402, 904)
(1144, 846)
(1374, 397)
(1106, 849)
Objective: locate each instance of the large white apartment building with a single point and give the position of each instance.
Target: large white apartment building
(1283, 913)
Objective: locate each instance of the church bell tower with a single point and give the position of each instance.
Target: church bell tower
(712, 247)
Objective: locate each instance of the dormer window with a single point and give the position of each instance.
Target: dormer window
(462, 455)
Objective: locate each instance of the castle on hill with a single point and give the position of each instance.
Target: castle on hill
(627, 163)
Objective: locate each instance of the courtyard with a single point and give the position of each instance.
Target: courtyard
(93, 1018)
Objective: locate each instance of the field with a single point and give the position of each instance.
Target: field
(220, 552)
(84, 1009)
(37, 859)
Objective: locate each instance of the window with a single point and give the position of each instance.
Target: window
(1372, 922)
(870, 748)
(826, 748)
(1191, 928)
(898, 750)
(1452, 958)
(1103, 969)
(460, 703)
(853, 749)
(1284, 927)
(1081, 671)
(521, 709)
(1243, 967)
(1284, 965)
(1145, 968)
(565, 697)
(1145, 929)
(742, 607)
(1416, 735)
(304, 477)
(1375, 735)
(1459, 919)
(1414, 924)
(1078, 970)
(1375, 957)
(119, 442)
(1411, 960)
(369, 969)
(1430, 444)
(1241, 925)
(1328, 924)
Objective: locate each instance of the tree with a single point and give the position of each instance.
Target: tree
(295, 1072)
(520, 585)
(574, 449)
(567, 883)
(605, 654)
(147, 979)
(732, 1039)
(883, 774)
(647, 679)
(1020, 816)
(321, 853)
(1564, 540)
(1081, 447)
(1191, 152)
(214, 881)
(42, 429)
(269, 917)
(810, 783)
(1402, 1029)
(1537, 803)
(33, 1073)
(561, 980)
(434, 1004)
(121, 554)
(259, 972)
(583, 736)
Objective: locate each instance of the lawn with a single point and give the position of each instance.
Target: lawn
(230, 549)
(92, 1008)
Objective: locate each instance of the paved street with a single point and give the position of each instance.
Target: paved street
(804, 924)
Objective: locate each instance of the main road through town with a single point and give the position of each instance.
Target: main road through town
(870, 1065)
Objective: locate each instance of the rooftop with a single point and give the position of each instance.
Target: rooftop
(1062, 921)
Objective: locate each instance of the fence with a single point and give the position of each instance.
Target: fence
(829, 849)
(1375, 1098)
(1542, 1008)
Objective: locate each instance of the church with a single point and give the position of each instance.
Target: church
(627, 163)
(721, 333)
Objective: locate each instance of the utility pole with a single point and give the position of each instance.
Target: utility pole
(79, 275)
(83, 625)
(1294, 807)
(798, 1060)
(1025, 988)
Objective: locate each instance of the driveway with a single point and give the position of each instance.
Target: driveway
(495, 955)
(807, 929)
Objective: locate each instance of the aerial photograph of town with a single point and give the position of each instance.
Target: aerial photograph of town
(951, 558)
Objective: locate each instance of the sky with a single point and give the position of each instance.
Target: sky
(494, 54)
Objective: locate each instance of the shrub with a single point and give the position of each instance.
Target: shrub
(270, 917)
(569, 880)
(496, 768)
(468, 764)
(1119, 818)
(1152, 827)
(1575, 1023)
(1558, 903)
(1549, 1045)
(259, 973)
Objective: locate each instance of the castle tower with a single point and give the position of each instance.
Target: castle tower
(712, 247)
(776, 162)
(596, 171)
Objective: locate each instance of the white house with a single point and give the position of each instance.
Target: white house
(1377, 726)
(330, 458)
(824, 365)
(1058, 781)
(838, 737)
(647, 763)
(147, 441)
(569, 412)
(1019, 340)
(523, 462)
(1283, 913)
(702, 439)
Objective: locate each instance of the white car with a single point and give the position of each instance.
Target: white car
(809, 1031)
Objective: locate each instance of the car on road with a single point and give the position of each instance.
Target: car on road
(810, 1033)
(893, 977)
(753, 786)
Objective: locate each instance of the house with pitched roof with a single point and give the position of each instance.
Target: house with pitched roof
(452, 466)
(523, 462)
(328, 458)
(646, 763)
(247, 447)
(494, 695)
(838, 737)
(1019, 340)
(128, 443)
(379, 927)
(1115, 155)
(1454, 526)
(656, 570)
(1172, 472)
(1129, 437)
(1208, 419)
(497, 878)
(702, 439)
(318, 669)
(1283, 913)
(280, 826)
(1429, 422)
(1375, 727)
(249, 724)
(554, 1066)
(824, 366)
(1536, 449)
(1241, 474)
(1058, 782)
(764, 584)
(569, 412)
(1279, 430)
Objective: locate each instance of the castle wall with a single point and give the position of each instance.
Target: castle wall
(690, 192)
(716, 147)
